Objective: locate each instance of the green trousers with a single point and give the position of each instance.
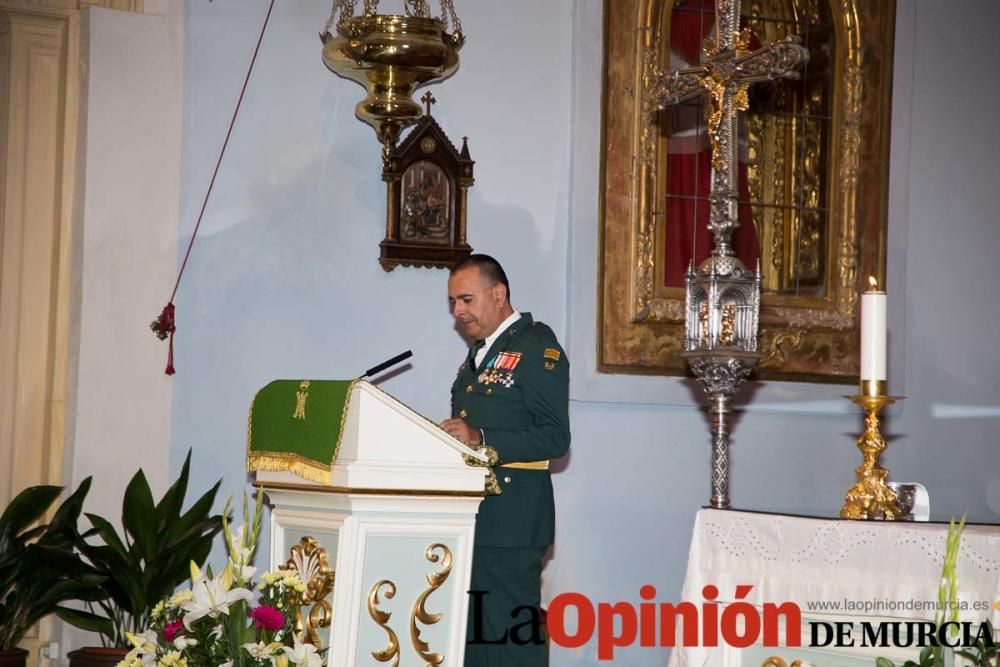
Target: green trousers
(503, 626)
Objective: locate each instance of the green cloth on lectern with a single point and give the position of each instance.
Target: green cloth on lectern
(296, 426)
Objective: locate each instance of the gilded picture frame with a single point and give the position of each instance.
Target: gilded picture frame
(811, 338)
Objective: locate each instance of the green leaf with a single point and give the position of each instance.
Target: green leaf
(200, 511)
(147, 560)
(173, 500)
(63, 527)
(139, 516)
(108, 534)
(884, 662)
(27, 507)
(35, 578)
(124, 582)
(86, 620)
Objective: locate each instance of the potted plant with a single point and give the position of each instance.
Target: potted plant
(142, 566)
(39, 569)
(220, 621)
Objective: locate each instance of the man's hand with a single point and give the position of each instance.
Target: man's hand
(459, 429)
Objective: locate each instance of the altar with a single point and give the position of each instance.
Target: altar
(836, 571)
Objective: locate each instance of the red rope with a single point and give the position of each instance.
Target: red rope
(164, 325)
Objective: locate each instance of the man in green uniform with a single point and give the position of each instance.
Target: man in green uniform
(510, 400)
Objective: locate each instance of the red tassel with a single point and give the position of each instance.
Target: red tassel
(164, 327)
(170, 356)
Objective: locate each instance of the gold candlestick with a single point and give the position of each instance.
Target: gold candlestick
(870, 498)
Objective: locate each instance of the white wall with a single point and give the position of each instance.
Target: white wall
(125, 250)
(283, 281)
(126, 246)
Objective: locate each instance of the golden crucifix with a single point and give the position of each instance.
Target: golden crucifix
(728, 70)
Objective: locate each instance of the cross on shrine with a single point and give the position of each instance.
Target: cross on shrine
(728, 70)
(428, 99)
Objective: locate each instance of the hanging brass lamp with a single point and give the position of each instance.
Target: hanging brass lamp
(391, 55)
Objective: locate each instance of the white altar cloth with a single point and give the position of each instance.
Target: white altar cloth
(800, 559)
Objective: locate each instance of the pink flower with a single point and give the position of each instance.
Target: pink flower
(268, 618)
(173, 630)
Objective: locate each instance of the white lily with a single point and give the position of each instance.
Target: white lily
(212, 596)
(240, 555)
(244, 572)
(182, 643)
(234, 540)
(260, 650)
(304, 654)
(197, 575)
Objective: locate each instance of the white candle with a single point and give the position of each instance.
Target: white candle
(873, 333)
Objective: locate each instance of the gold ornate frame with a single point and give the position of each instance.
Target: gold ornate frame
(810, 339)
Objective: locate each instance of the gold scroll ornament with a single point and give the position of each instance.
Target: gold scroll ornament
(775, 661)
(420, 613)
(309, 561)
(381, 618)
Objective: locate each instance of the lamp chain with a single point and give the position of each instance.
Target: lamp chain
(342, 10)
(417, 8)
(346, 10)
(448, 15)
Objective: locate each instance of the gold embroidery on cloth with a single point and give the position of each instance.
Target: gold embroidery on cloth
(300, 400)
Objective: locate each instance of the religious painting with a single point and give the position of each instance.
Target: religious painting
(428, 181)
(812, 182)
(425, 214)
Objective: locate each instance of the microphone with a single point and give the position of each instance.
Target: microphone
(387, 364)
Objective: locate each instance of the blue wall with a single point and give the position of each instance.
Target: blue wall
(284, 280)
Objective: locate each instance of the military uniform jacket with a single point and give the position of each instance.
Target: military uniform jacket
(519, 397)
